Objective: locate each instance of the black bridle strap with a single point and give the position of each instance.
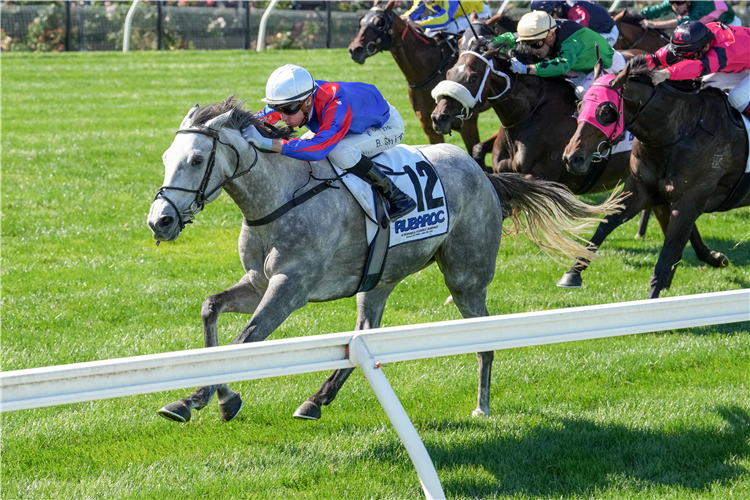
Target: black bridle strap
(200, 193)
(447, 63)
(292, 203)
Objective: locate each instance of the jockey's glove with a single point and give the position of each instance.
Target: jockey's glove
(517, 66)
(506, 42)
(251, 134)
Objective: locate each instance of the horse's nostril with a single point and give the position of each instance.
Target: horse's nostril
(165, 221)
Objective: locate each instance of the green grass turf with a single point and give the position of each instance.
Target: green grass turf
(663, 415)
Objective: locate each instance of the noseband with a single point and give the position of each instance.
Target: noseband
(201, 195)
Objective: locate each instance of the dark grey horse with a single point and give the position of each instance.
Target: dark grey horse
(317, 252)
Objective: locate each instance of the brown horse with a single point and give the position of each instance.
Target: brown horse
(536, 115)
(633, 37)
(688, 159)
(424, 62)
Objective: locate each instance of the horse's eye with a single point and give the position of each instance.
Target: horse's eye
(606, 114)
(378, 22)
(473, 78)
(197, 160)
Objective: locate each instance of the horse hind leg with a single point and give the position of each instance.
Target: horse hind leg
(241, 298)
(370, 307)
(468, 269)
(474, 305)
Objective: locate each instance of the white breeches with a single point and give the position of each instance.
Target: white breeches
(738, 85)
(582, 81)
(612, 36)
(373, 141)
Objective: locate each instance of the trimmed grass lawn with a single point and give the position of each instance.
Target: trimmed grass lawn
(663, 415)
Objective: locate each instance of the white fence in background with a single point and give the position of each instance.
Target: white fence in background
(48, 386)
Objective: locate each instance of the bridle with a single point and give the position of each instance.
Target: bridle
(489, 67)
(384, 34)
(201, 196)
(612, 139)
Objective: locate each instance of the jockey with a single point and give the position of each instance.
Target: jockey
(568, 49)
(699, 49)
(704, 11)
(350, 123)
(588, 14)
(445, 16)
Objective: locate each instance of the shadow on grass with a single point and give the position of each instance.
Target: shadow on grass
(573, 456)
(639, 256)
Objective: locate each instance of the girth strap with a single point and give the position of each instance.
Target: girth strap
(292, 203)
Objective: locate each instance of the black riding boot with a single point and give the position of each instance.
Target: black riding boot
(399, 203)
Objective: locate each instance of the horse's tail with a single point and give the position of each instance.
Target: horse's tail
(550, 215)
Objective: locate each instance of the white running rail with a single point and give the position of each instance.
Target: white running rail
(56, 385)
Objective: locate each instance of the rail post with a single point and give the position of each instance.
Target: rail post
(360, 356)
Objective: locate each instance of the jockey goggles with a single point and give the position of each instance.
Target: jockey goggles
(288, 108)
(534, 44)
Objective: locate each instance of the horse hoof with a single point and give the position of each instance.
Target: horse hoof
(570, 280)
(177, 412)
(308, 411)
(721, 259)
(229, 408)
(479, 413)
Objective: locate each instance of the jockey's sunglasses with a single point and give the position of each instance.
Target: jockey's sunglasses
(535, 44)
(288, 108)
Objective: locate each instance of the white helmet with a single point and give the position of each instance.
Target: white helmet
(535, 25)
(288, 84)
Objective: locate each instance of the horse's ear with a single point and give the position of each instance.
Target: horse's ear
(219, 121)
(597, 69)
(188, 118)
(598, 65)
(389, 5)
(619, 80)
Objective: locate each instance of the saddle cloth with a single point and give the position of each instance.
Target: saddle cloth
(414, 175)
(626, 144)
(747, 130)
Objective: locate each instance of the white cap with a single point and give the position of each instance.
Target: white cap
(535, 25)
(289, 83)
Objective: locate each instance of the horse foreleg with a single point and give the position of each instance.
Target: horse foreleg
(633, 205)
(681, 225)
(370, 307)
(241, 298)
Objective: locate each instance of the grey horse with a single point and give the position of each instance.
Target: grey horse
(317, 252)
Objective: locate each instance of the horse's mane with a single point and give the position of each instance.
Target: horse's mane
(239, 119)
(638, 70)
(632, 16)
(504, 22)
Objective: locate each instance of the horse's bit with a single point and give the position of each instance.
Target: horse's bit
(200, 194)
